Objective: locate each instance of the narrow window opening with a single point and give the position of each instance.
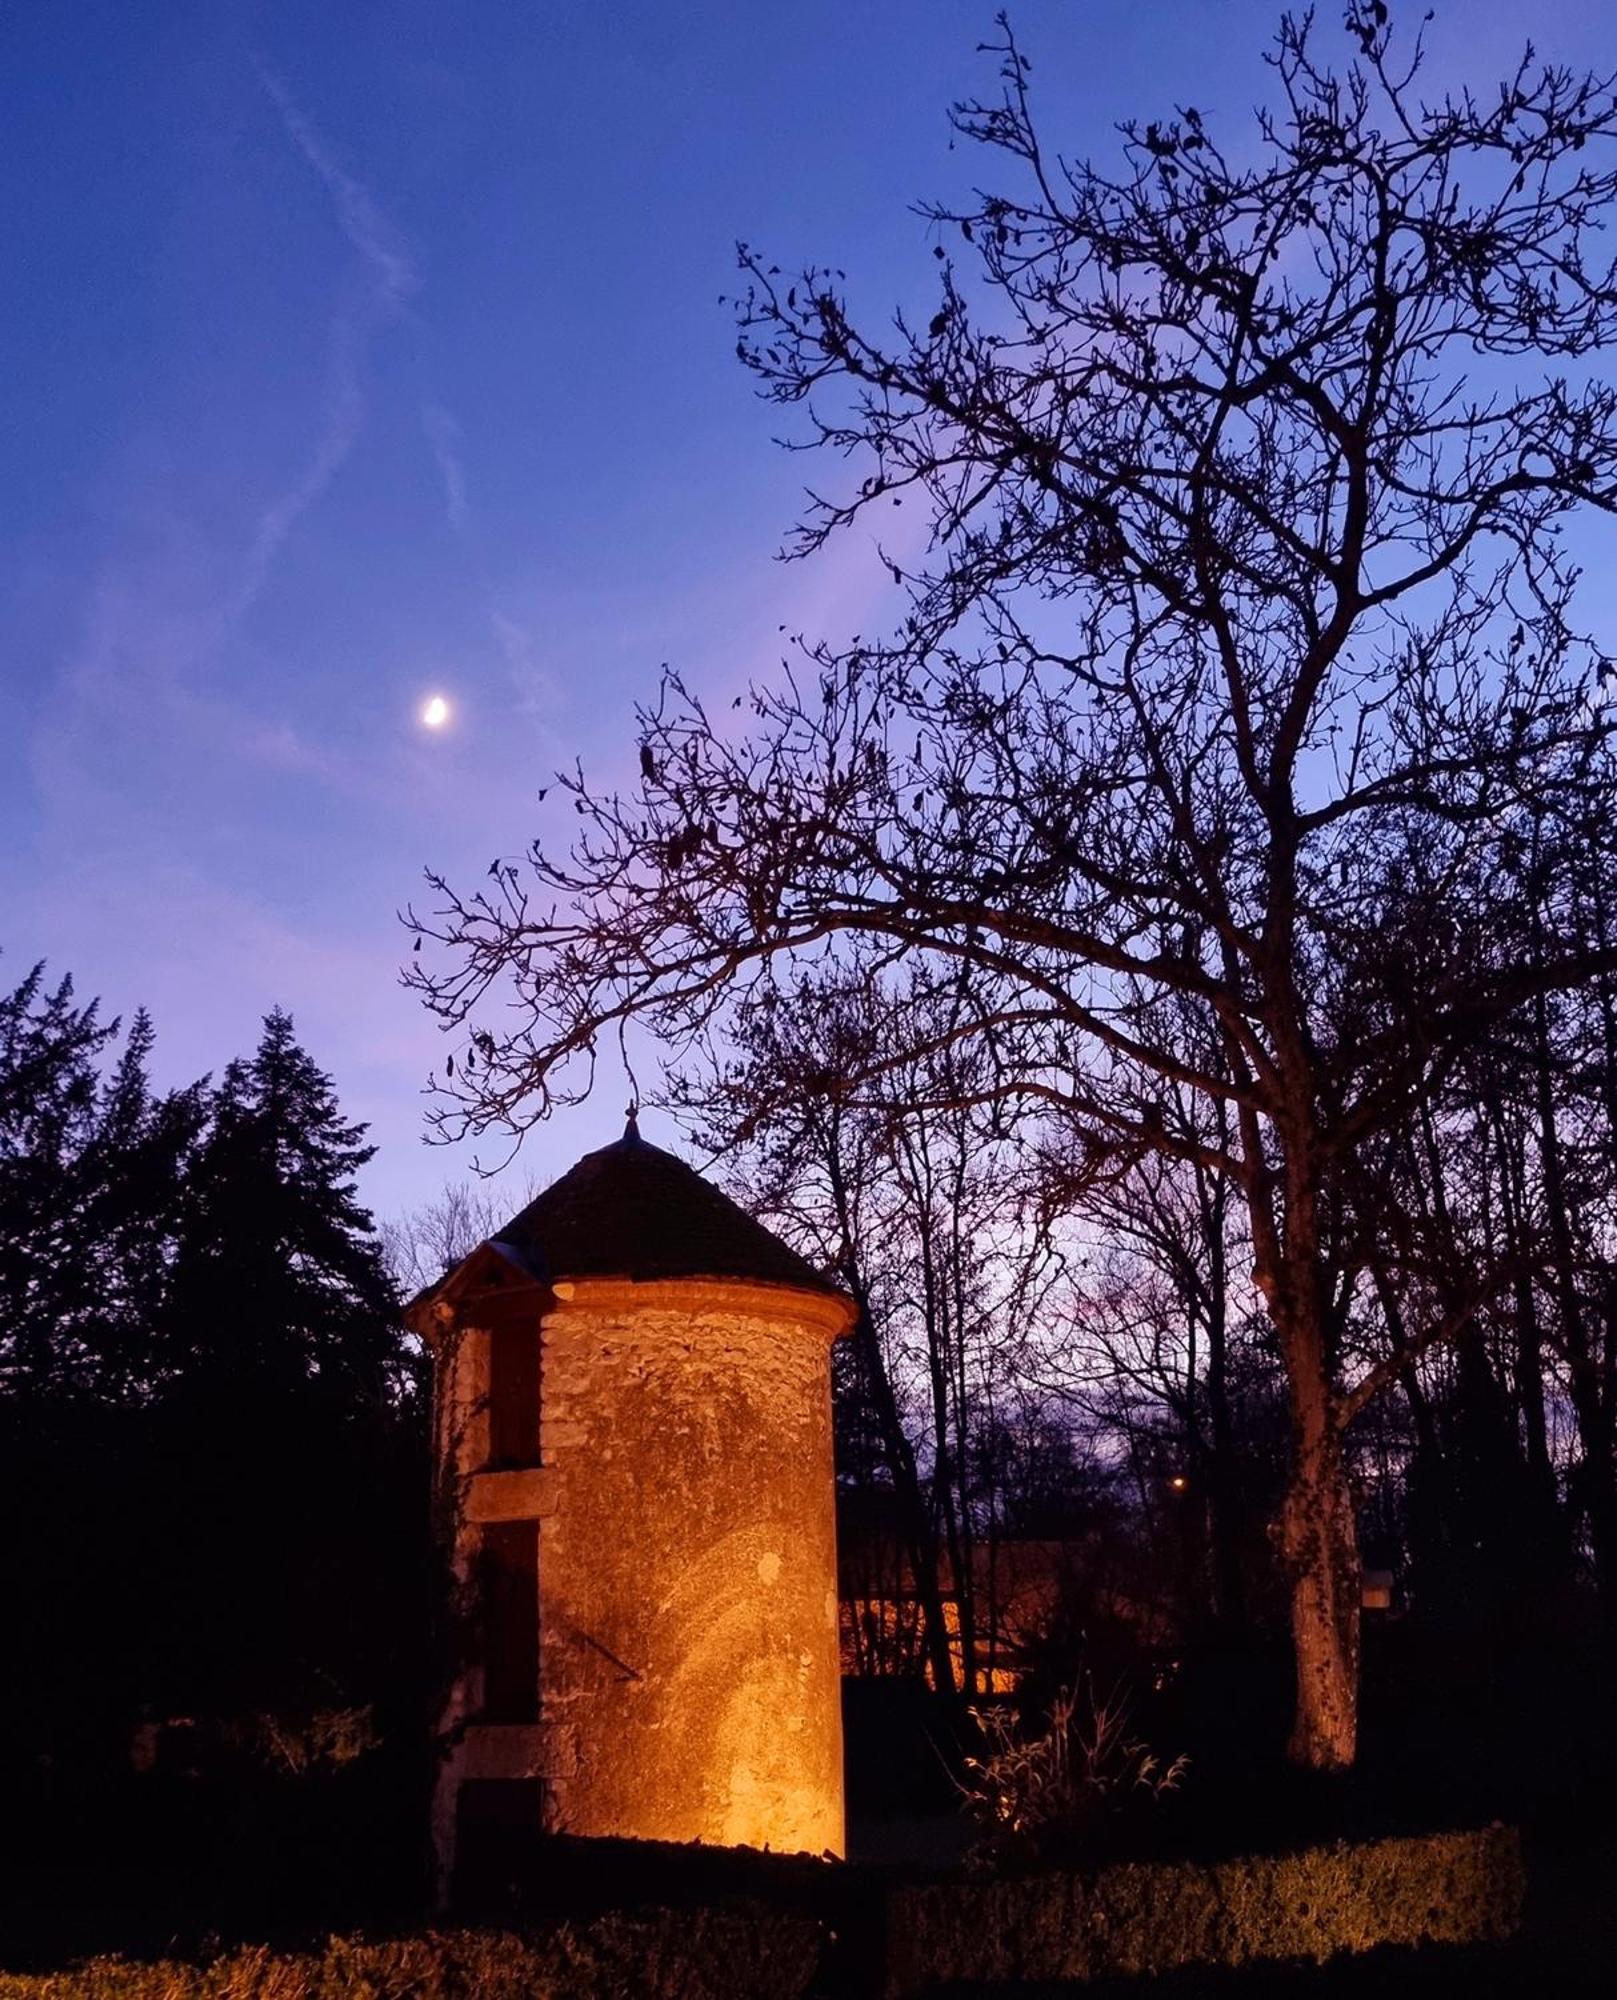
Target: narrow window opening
(510, 1565)
(513, 1394)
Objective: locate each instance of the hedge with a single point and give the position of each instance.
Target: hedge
(754, 1954)
(1455, 1888)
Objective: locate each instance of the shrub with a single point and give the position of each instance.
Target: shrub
(660, 1954)
(1128, 1920)
(1048, 1789)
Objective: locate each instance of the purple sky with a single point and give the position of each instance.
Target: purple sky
(352, 353)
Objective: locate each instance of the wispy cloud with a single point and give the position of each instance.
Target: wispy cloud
(533, 688)
(445, 436)
(343, 422)
(379, 244)
(170, 599)
(387, 278)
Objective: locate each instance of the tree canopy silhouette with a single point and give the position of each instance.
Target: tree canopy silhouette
(203, 1366)
(1243, 648)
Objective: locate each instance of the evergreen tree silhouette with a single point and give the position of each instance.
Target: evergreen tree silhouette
(92, 1170)
(280, 1283)
(133, 1172)
(50, 1048)
(212, 1461)
(288, 1483)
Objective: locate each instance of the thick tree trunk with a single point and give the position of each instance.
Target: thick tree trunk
(1588, 1376)
(920, 1542)
(1319, 1542)
(1317, 1531)
(1595, 1481)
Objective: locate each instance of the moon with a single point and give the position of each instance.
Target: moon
(434, 712)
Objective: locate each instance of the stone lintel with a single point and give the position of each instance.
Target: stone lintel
(524, 1494)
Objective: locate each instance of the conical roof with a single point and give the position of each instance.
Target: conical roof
(633, 1211)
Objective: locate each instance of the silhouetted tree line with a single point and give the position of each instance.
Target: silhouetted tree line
(1169, 971)
(1091, 1364)
(1222, 821)
(213, 1564)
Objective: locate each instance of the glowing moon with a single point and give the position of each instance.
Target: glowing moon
(435, 712)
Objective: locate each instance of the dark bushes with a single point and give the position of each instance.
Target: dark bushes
(1456, 1888)
(753, 1954)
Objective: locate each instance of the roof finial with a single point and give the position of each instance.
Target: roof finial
(631, 1131)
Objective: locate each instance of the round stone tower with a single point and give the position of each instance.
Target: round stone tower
(633, 1424)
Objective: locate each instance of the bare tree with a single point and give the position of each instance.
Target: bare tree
(1515, 1166)
(1165, 1360)
(1245, 595)
(423, 1245)
(915, 1203)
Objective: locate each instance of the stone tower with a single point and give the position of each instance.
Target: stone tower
(633, 1434)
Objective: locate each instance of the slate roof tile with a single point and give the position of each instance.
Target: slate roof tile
(633, 1211)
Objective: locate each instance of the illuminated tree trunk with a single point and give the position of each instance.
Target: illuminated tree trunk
(1319, 1544)
(1316, 1532)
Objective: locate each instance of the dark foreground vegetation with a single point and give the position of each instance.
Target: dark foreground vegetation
(219, 1698)
(215, 1571)
(1171, 979)
(1383, 1916)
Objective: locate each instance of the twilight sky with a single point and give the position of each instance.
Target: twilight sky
(351, 353)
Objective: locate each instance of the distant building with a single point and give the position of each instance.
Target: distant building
(1018, 1587)
(633, 1434)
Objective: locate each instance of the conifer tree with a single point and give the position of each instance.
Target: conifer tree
(92, 1167)
(290, 1480)
(201, 1361)
(50, 1047)
(281, 1281)
(133, 1171)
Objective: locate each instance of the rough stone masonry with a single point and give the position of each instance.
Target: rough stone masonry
(633, 1435)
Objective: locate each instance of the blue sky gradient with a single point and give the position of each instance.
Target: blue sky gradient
(351, 353)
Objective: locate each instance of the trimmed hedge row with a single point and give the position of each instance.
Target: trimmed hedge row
(1456, 1888)
(659, 1954)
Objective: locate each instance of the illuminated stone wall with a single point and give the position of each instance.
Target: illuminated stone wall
(688, 1565)
(683, 1486)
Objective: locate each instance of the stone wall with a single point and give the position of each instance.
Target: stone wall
(688, 1615)
(682, 1483)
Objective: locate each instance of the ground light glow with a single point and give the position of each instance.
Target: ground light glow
(434, 712)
